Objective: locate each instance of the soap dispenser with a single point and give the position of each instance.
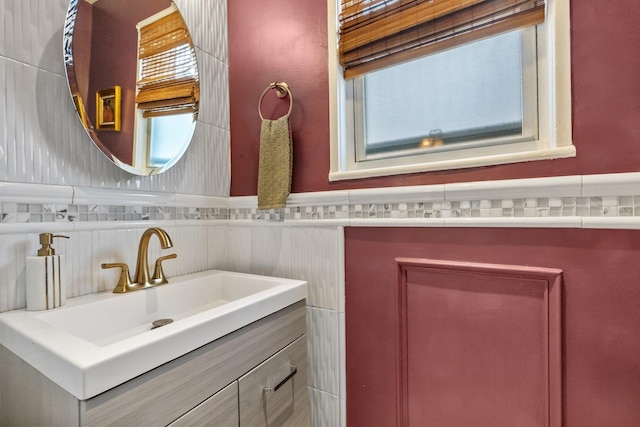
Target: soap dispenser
(46, 280)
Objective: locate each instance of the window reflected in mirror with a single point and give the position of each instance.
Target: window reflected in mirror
(165, 131)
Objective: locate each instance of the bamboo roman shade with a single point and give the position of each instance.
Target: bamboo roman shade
(168, 81)
(378, 33)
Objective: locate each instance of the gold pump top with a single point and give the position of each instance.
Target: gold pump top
(46, 240)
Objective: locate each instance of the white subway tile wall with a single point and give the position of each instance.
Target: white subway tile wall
(271, 251)
(239, 247)
(313, 254)
(316, 258)
(325, 409)
(324, 352)
(14, 249)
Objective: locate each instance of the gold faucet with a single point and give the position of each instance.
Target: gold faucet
(142, 279)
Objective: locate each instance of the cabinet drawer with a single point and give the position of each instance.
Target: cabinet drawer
(275, 392)
(221, 409)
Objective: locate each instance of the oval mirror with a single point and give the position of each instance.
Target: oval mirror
(133, 77)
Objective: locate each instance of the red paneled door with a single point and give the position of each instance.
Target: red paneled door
(492, 327)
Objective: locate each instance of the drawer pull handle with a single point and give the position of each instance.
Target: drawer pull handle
(268, 390)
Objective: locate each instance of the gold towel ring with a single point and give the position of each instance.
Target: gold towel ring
(282, 90)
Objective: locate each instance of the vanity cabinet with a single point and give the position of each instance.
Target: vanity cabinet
(275, 392)
(228, 382)
(221, 409)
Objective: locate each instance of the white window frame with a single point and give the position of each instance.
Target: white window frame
(554, 111)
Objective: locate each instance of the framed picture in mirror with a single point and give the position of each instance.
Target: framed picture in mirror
(108, 109)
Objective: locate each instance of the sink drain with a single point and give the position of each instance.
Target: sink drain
(160, 322)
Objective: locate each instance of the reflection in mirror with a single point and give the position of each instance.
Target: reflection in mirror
(133, 78)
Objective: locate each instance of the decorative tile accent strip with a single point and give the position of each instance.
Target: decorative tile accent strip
(495, 203)
(43, 213)
(595, 206)
(610, 206)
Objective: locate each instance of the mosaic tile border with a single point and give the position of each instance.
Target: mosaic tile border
(596, 206)
(611, 200)
(608, 206)
(23, 213)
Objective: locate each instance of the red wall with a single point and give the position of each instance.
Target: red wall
(115, 65)
(600, 320)
(278, 41)
(275, 40)
(113, 55)
(81, 69)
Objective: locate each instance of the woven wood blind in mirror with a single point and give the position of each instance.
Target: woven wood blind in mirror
(168, 82)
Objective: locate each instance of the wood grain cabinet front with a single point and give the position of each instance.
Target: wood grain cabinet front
(274, 394)
(199, 388)
(221, 409)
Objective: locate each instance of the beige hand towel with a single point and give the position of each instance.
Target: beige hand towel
(276, 163)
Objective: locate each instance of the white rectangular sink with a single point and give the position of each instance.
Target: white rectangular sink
(99, 341)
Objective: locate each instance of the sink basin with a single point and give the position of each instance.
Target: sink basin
(113, 318)
(99, 341)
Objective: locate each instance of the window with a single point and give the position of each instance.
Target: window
(500, 99)
(168, 91)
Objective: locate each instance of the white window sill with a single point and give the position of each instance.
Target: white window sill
(500, 159)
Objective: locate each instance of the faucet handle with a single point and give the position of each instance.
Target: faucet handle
(158, 274)
(125, 280)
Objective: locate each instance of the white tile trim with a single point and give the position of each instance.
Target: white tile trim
(626, 223)
(102, 196)
(243, 202)
(340, 280)
(317, 223)
(511, 222)
(35, 193)
(119, 225)
(397, 222)
(340, 197)
(612, 184)
(418, 193)
(39, 227)
(342, 336)
(197, 201)
(194, 222)
(561, 186)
